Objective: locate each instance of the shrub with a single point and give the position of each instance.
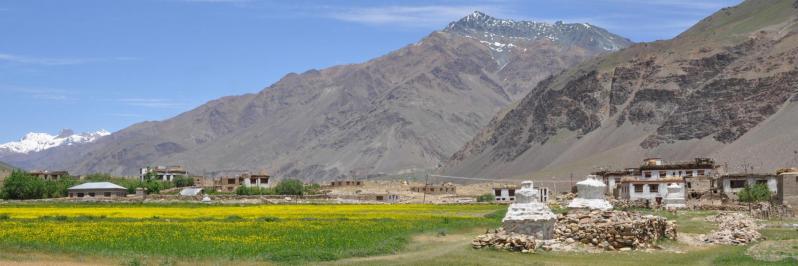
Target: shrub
(486, 198)
(289, 187)
(21, 185)
(755, 193)
(183, 181)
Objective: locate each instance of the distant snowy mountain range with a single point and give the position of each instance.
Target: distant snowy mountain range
(35, 142)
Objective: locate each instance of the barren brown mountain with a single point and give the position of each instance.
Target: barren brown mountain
(726, 88)
(408, 110)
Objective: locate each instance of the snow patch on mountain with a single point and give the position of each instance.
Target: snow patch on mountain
(35, 142)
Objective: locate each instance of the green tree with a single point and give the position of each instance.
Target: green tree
(486, 198)
(21, 185)
(98, 177)
(755, 193)
(183, 181)
(289, 187)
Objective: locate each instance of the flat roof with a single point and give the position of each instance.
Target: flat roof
(98, 185)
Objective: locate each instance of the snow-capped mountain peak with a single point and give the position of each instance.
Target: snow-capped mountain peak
(35, 142)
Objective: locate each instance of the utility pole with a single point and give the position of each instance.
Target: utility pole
(426, 183)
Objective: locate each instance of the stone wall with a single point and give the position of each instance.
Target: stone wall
(607, 230)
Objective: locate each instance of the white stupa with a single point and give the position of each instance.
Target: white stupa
(590, 195)
(675, 198)
(528, 215)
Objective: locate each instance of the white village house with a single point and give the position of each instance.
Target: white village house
(97, 190)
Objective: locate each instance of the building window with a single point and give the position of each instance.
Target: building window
(511, 192)
(638, 188)
(107, 194)
(762, 182)
(379, 198)
(498, 192)
(91, 194)
(80, 195)
(231, 181)
(737, 183)
(663, 174)
(653, 188)
(647, 174)
(689, 184)
(689, 173)
(700, 172)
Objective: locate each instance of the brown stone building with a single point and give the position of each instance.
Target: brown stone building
(50, 176)
(788, 187)
(231, 183)
(447, 188)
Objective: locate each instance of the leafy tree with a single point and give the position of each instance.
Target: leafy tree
(289, 187)
(312, 189)
(21, 185)
(183, 181)
(755, 193)
(486, 198)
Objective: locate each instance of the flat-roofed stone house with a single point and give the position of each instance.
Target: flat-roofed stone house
(97, 190)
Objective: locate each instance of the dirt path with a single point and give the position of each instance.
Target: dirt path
(422, 248)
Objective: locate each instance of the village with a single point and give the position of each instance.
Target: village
(700, 183)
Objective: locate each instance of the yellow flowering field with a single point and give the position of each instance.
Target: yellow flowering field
(261, 232)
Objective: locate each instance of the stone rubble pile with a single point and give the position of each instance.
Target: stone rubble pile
(613, 230)
(586, 230)
(734, 228)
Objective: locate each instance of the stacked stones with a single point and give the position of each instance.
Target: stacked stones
(607, 230)
(733, 229)
(614, 230)
(675, 198)
(528, 216)
(591, 195)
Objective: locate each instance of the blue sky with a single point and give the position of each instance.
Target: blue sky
(90, 65)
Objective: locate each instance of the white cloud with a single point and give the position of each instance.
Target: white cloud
(414, 16)
(45, 61)
(42, 94)
(151, 102)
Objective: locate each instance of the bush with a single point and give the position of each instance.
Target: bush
(486, 198)
(244, 190)
(98, 177)
(312, 189)
(183, 181)
(290, 187)
(756, 193)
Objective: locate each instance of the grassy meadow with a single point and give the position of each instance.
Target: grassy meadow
(276, 233)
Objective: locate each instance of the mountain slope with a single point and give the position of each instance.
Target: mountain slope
(407, 110)
(725, 88)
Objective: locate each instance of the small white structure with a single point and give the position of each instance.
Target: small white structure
(675, 198)
(590, 195)
(190, 191)
(528, 215)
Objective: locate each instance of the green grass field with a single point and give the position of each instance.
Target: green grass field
(195, 234)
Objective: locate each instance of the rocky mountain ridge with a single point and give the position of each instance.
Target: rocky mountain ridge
(406, 111)
(725, 88)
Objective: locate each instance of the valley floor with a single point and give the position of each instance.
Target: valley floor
(446, 243)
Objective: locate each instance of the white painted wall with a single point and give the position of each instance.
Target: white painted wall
(647, 194)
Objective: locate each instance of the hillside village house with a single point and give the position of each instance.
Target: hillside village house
(612, 178)
(50, 176)
(163, 173)
(231, 183)
(447, 188)
(504, 193)
(731, 184)
(344, 183)
(656, 175)
(97, 190)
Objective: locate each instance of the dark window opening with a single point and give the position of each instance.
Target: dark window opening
(761, 182)
(653, 188)
(107, 194)
(737, 183)
(231, 181)
(80, 195)
(647, 174)
(663, 174)
(689, 173)
(700, 172)
(638, 188)
(511, 192)
(689, 184)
